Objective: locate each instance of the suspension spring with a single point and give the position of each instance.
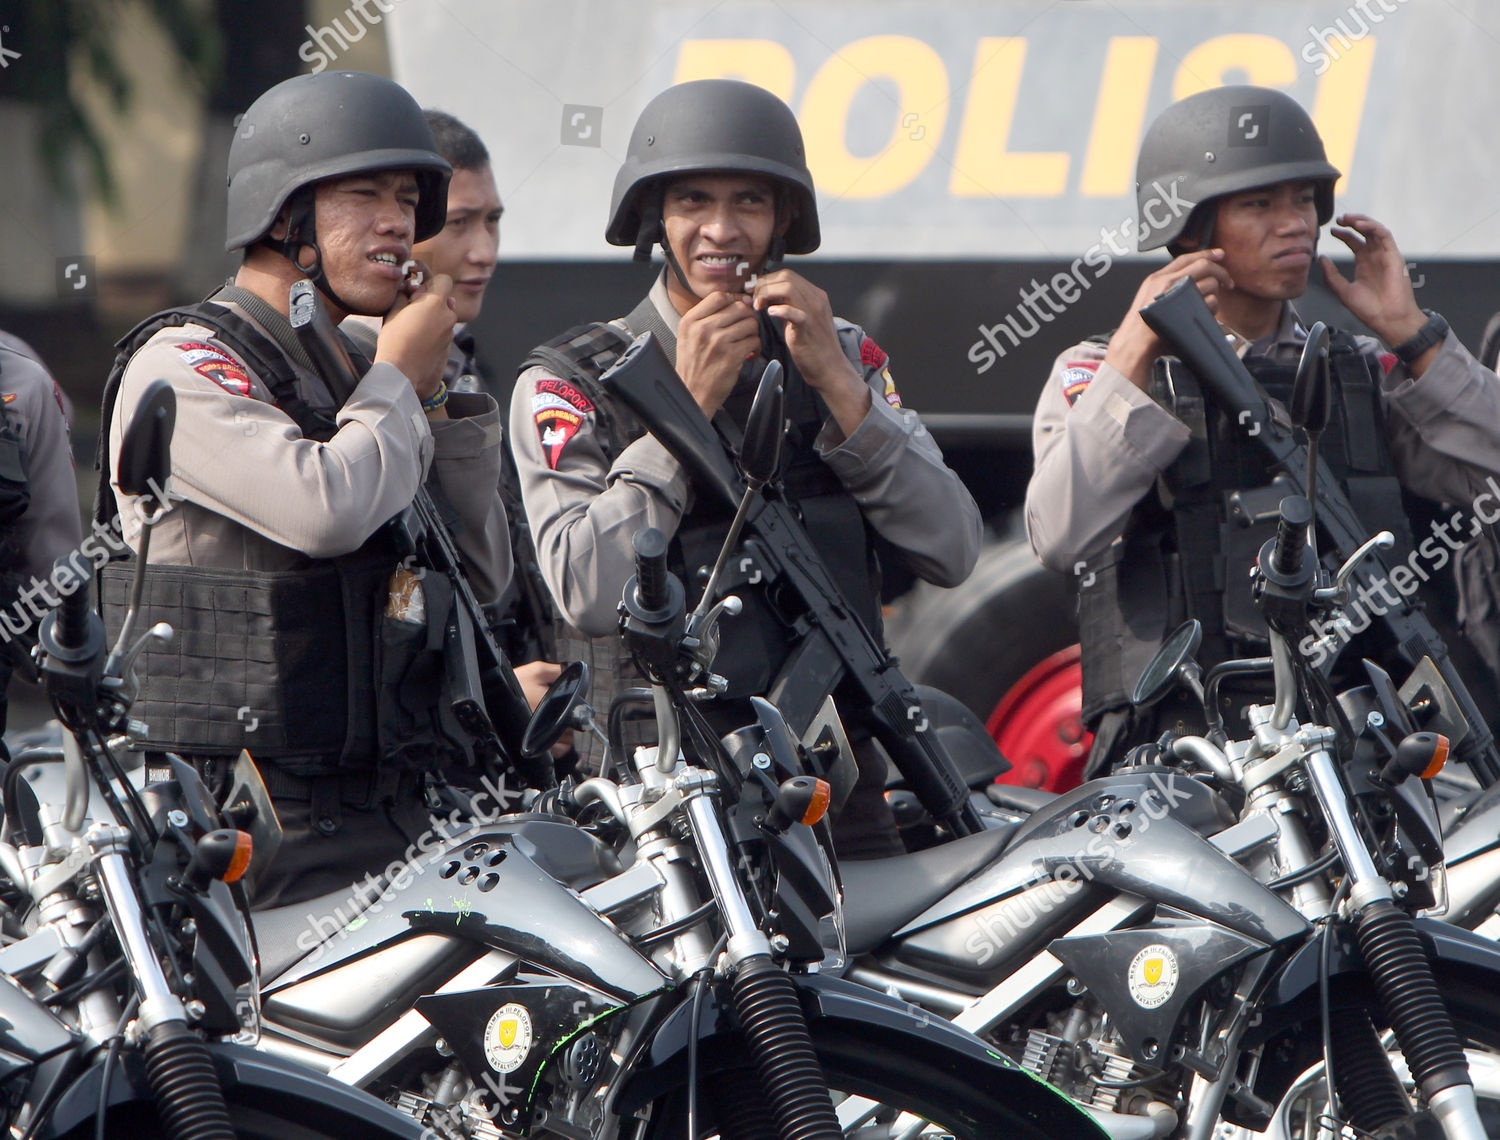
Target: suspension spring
(184, 1085)
(1398, 964)
(1368, 1087)
(780, 1045)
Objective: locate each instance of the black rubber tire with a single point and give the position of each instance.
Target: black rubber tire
(977, 640)
(860, 1064)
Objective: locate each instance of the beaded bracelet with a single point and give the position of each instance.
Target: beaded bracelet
(439, 398)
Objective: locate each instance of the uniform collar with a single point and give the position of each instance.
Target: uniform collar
(1289, 333)
(662, 299)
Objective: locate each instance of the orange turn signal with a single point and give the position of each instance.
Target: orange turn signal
(239, 862)
(817, 807)
(1439, 758)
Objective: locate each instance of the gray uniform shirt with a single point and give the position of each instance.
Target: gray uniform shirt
(256, 494)
(585, 510)
(50, 526)
(1100, 442)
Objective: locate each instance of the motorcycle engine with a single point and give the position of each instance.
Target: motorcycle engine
(1080, 1054)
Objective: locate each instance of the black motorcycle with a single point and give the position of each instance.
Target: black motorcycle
(128, 989)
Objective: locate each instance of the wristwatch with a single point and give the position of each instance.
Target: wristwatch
(1425, 337)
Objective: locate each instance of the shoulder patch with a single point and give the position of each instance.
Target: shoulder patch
(1075, 377)
(871, 355)
(558, 408)
(215, 364)
(9, 397)
(562, 391)
(1388, 360)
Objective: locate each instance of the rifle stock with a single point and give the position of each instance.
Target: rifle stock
(1182, 318)
(649, 386)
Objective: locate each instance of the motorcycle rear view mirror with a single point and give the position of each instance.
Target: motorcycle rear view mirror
(557, 709)
(146, 451)
(1311, 393)
(145, 465)
(760, 455)
(1173, 664)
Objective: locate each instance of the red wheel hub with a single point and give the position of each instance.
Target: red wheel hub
(1038, 725)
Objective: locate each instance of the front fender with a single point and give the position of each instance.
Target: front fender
(859, 1029)
(253, 1083)
(1449, 947)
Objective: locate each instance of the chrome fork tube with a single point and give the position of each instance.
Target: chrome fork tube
(745, 936)
(158, 1002)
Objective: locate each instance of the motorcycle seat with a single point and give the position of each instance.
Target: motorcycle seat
(279, 930)
(1015, 797)
(883, 895)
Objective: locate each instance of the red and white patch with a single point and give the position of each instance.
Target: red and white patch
(214, 364)
(554, 427)
(1075, 377)
(9, 396)
(562, 390)
(871, 355)
(1388, 360)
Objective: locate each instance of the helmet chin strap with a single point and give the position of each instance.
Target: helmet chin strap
(302, 233)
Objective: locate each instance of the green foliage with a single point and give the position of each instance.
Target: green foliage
(63, 41)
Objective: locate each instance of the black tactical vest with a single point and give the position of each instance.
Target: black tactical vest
(1188, 547)
(756, 643)
(333, 683)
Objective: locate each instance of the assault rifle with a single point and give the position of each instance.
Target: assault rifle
(487, 702)
(1182, 318)
(833, 646)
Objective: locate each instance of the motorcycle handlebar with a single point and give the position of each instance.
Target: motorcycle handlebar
(1291, 534)
(72, 628)
(651, 590)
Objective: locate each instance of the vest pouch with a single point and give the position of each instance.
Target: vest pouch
(258, 659)
(410, 671)
(1243, 623)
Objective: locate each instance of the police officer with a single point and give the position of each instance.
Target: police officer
(716, 175)
(39, 520)
(1132, 471)
(466, 249)
(277, 569)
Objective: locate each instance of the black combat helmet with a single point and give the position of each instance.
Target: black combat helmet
(326, 126)
(711, 125)
(1224, 141)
